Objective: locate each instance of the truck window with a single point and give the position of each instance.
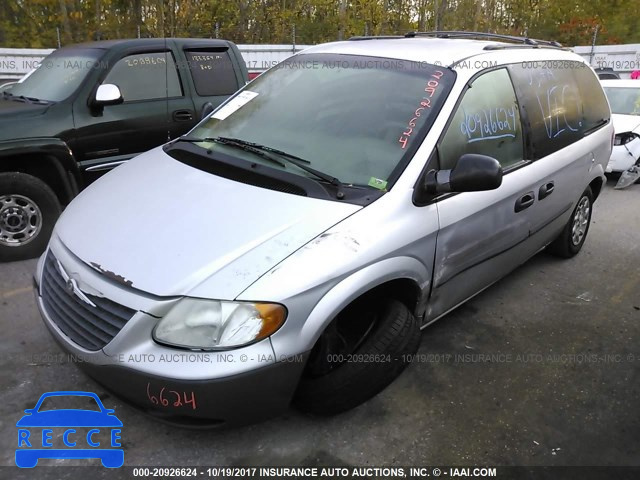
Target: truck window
(552, 101)
(213, 72)
(487, 122)
(60, 74)
(146, 76)
(624, 101)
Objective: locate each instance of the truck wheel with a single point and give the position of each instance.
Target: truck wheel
(361, 352)
(570, 241)
(28, 212)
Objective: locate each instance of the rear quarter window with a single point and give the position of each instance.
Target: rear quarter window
(212, 71)
(553, 103)
(594, 101)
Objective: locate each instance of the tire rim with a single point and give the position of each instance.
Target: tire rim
(580, 221)
(20, 220)
(340, 340)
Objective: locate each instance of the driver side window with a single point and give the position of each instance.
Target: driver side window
(487, 122)
(146, 76)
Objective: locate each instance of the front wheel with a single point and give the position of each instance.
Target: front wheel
(28, 211)
(361, 352)
(572, 238)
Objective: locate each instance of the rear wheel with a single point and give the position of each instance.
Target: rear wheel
(361, 352)
(28, 212)
(570, 241)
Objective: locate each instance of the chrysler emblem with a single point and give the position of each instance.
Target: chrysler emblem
(71, 286)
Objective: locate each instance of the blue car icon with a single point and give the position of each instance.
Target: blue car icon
(35, 433)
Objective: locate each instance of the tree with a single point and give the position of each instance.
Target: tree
(34, 23)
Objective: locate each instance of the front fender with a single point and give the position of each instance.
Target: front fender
(53, 151)
(311, 312)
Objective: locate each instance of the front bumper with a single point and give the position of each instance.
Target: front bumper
(189, 388)
(623, 157)
(238, 400)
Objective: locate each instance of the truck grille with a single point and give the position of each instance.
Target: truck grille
(90, 327)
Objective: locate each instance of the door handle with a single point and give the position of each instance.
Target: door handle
(182, 115)
(545, 190)
(525, 201)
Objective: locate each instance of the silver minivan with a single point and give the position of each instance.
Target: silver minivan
(293, 245)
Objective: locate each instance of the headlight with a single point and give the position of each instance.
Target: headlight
(624, 138)
(214, 324)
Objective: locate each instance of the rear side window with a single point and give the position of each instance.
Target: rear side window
(487, 122)
(146, 76)
(213, 72)
(552, 102)
(594, 101)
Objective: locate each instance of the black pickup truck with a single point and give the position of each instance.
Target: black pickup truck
(90, 107)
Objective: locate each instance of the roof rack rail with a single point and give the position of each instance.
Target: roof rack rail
(498, 46)
(375, 37)
(498, 36)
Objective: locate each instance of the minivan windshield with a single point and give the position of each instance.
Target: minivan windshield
(354, 118)
(58, 75)
(625, 101)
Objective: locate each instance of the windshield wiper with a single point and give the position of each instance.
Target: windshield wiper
(241, 146)
(265, 151)
(265, 148)
(22, 98)
(297, 161)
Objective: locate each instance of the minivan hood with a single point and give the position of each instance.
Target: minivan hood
(625, 123)
(169, 229)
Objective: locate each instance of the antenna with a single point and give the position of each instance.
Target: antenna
(166, 84)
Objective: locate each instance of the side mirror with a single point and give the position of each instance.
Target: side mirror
(472, 173)
(108, 94)
(207, 108)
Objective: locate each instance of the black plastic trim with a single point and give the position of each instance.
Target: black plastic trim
(263, 176)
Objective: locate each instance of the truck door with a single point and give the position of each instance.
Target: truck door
(155, 109)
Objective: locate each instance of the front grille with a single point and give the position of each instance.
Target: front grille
(88, 326)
